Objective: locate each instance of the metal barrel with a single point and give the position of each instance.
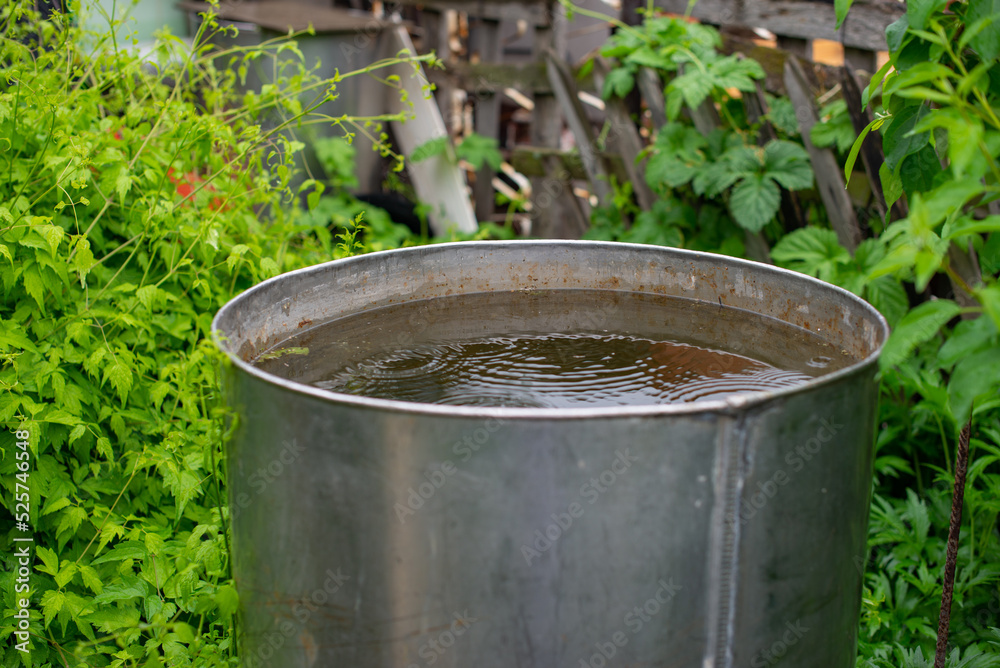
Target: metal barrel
(370, 533)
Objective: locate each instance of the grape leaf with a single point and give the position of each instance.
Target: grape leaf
(754, 201)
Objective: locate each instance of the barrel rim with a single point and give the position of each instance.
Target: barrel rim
(732, 404)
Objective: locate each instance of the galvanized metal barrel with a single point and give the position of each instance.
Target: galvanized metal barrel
(372, 533)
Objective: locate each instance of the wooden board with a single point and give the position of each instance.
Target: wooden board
(532, 11)
(534, 161)
(567, 95)
(864, 27)
(296, 16)
(625, 137)
(829, 179)
(438, 181)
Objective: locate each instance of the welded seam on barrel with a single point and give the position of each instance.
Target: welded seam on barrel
(731, 456)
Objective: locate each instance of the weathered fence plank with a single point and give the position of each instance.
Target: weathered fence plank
(626, 139)
(829, 179)
(864, 27)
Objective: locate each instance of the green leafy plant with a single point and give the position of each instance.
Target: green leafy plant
(474, 149)
(748, 178)
(135, 199)
(936, 113)
(722, 168)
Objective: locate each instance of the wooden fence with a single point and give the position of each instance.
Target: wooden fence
(548, 97)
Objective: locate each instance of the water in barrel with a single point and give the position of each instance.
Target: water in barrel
(553, 349)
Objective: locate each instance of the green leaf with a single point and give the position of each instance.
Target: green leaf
(52, 603)
(77, 431)
(840, 9)
(919, 171)
(644, 56)
(964, 138)
(50, 562)
(892, 186)
(788, 163)
(53, 235)
(876, 81)
(811, 250)
(664, 168)
(235, 255)
(120, 376)
(897, 140)
(754, 201)
(268, 267)
(111, 619)
(693, 87)
(947, 199)
(71, 520)
(918, 74)
(91, 579)
(968, 337)
(478, 150)
(34, 285)
(129, 588)
(918, 326)
(919, 11)
(968, 225)
(835, 129)
(227, 599)
(131, 549)
(148, 295)
(436, 146)
(185, 634)
(989, 297)
(735, 72)
(119, 180)
(889, 297)
(975, 378)
(618, 83)
(852, 157)
(986, 40)
(895, 32)
(66, 574)
(53, 504)
(714, 178)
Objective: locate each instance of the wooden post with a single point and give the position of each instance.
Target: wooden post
(871, 149)
(626, 140)
(586, 143)
(435, 23)
(652, 90)
(484, 42)
(556, 213)
(800, 47)
(829, 179)
(860, 59)
(757, 109)
(630, 16)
